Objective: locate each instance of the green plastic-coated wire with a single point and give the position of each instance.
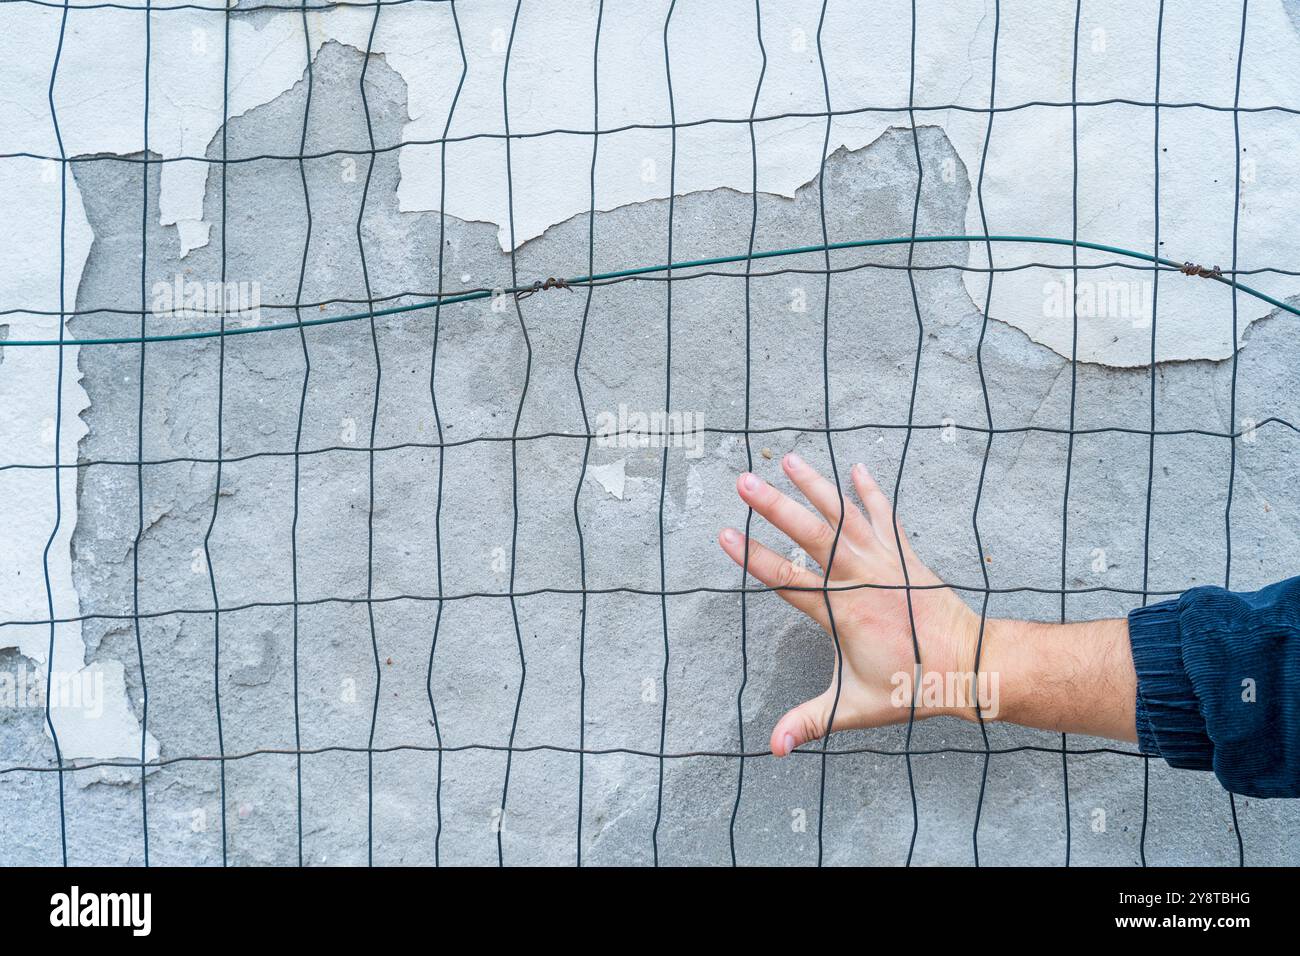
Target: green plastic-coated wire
(646, 270)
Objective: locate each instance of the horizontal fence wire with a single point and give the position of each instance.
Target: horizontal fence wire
(637, 272)
(668, 273)
(536, 592)
(559, 748)
(635, 127)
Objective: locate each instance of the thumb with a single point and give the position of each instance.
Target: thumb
(805, 723)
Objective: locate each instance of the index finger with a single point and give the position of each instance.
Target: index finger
(803, 527)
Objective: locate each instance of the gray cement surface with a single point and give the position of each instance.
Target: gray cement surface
(361, 678)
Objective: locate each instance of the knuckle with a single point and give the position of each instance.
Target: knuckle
(823, 537)
(812, 725)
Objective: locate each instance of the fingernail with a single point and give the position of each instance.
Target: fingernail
(792, 460)
(730, 536)
(751, 482)
(789, 743)
(860, 468)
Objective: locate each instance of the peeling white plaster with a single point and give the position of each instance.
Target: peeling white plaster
(612, 477)
(715, 64)
(1027, 189)
(29, 273)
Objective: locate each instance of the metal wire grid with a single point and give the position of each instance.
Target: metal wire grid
(436, 299)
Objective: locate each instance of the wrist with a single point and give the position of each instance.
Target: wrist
(1071, 678)
(952, 685)
(983, 664)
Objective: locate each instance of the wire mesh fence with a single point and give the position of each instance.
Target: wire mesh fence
(372, 322)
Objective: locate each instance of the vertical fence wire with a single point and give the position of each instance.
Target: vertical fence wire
(907, 435)
(139, 447)
(749, 448)
(437, 421)
(297, 438)
(221, 451)
(58, 429)
(586, 427)
(1151, 439)
(514, 434)
(370, 454)
(1074, 375)
(988, 418)
(1232, 401)
(830, 445)
(663, 458)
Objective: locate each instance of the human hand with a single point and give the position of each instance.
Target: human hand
(873, 623)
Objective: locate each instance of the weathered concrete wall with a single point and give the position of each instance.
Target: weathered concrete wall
(481, 381)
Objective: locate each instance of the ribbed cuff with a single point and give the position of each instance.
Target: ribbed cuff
(1169, 719)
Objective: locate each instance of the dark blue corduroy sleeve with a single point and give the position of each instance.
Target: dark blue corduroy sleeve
(1219, 685)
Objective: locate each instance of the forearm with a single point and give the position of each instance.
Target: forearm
(1073, 678)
